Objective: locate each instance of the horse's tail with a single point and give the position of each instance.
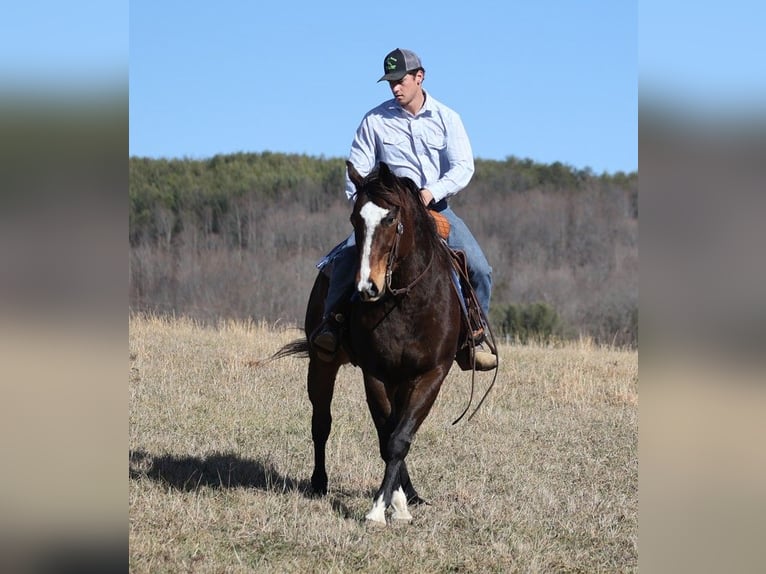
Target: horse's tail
(299, 348)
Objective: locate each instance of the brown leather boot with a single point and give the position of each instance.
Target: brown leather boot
(485, 359)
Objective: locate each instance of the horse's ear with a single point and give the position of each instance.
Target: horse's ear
(353, 175)
(386, 175)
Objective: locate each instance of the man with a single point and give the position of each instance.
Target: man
(420, 138)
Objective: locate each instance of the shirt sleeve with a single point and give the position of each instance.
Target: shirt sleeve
(458, 156)
(362, 154)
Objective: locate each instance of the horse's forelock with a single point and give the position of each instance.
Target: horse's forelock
(404, 192)
(374, 187)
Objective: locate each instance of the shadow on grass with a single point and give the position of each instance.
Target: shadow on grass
(217, 470)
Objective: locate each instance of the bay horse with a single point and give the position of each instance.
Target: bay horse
(402, 329)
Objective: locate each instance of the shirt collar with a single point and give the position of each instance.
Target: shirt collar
(424, 111)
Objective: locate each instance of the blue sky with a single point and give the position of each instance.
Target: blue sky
(47, 44)
(706, 56)
(549, 80)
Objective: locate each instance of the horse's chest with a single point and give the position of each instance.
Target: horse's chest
(394, 350)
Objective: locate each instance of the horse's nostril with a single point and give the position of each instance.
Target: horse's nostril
(368, 291)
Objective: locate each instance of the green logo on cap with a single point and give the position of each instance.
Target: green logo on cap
(390, 64)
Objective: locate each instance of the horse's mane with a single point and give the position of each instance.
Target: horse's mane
(406, 194)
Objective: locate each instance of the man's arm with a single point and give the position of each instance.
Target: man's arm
(459, 156)
(362, 154)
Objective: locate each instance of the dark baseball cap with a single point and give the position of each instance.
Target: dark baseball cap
(396, 64)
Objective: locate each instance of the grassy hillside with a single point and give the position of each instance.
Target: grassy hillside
(237, 237)
(544, 478)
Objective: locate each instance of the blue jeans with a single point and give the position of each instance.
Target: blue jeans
(479, 269)
(342, 277)
(460, 238)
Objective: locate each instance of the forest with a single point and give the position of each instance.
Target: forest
(237, 236)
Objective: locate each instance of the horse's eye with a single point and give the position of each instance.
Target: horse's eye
(388, 220)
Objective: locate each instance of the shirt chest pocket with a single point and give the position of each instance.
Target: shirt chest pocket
(397, 149)
(434, 139)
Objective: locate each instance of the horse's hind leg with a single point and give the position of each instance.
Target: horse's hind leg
(321, 384)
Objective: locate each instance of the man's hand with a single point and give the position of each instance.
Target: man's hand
(426, 196)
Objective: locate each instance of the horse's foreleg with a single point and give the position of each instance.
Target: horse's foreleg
(321, 384)
(410, 494)
(409, 489)
(391, 492)
(404, 495)
(380, 409)
(411, 410)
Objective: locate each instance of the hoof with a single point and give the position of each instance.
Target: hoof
(318, 486)
(378, 513)
(373, 523)
(399, 503)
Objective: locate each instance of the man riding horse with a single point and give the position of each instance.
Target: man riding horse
(424, 140)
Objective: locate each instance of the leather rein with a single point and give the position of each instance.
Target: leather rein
(392, 256)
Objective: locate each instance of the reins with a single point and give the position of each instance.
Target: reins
(392, 255)
(472, 343)
(470, 398)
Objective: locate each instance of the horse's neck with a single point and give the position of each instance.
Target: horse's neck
(419, 255)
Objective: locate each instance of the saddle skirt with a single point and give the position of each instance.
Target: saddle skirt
(473, 320)
(442, 224)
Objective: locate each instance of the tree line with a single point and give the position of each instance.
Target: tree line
(237, 236)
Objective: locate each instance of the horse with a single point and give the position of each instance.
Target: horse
(403, 329)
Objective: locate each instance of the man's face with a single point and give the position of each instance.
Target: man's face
(407, 88)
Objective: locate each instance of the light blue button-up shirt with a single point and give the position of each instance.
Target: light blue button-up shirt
(430, 147)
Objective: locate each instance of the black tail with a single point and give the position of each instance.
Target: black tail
(299, 348)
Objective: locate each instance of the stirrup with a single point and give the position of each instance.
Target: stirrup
(326, 338)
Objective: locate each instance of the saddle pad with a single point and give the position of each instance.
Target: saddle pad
(442, 224)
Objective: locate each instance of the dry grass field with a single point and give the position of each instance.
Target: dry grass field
(543, 479)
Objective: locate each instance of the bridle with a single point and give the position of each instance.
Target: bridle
(392, 256)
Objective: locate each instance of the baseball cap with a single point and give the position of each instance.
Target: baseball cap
(396, 64)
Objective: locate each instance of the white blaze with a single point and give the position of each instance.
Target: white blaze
(372, 215)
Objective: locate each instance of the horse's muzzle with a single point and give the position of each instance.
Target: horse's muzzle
(368, 291)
